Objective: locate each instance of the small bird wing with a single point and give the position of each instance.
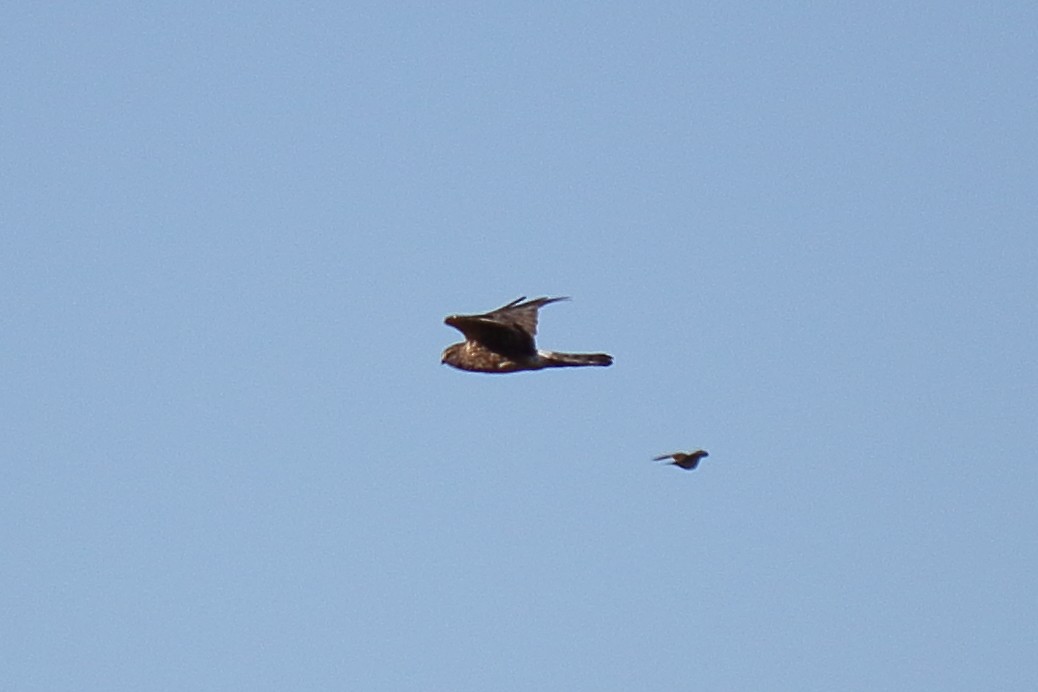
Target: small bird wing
(687, 462)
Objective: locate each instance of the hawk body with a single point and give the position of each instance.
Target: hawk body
(502, 340)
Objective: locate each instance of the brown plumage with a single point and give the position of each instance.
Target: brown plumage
(502, 340)
(685, 461)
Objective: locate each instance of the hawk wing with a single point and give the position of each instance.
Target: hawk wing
(508, 330)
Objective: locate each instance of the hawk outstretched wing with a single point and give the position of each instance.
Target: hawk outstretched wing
(508, 330)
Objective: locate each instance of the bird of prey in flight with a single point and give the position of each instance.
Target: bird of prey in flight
(502, 340)
(685, 461)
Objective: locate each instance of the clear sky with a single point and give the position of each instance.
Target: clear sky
(231, 458)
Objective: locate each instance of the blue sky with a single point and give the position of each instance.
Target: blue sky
(233, 461)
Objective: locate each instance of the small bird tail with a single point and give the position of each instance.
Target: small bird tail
(551, 359)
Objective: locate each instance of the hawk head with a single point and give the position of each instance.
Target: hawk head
(451, 355)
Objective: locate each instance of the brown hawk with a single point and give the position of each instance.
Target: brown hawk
(503, 341)
(685, 461)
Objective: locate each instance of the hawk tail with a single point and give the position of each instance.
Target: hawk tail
(551, 359)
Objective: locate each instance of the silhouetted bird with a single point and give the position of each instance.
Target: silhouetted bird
(503, 341)
(685, 461)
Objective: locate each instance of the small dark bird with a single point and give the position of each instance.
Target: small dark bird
(502, 340)
(685, 461)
